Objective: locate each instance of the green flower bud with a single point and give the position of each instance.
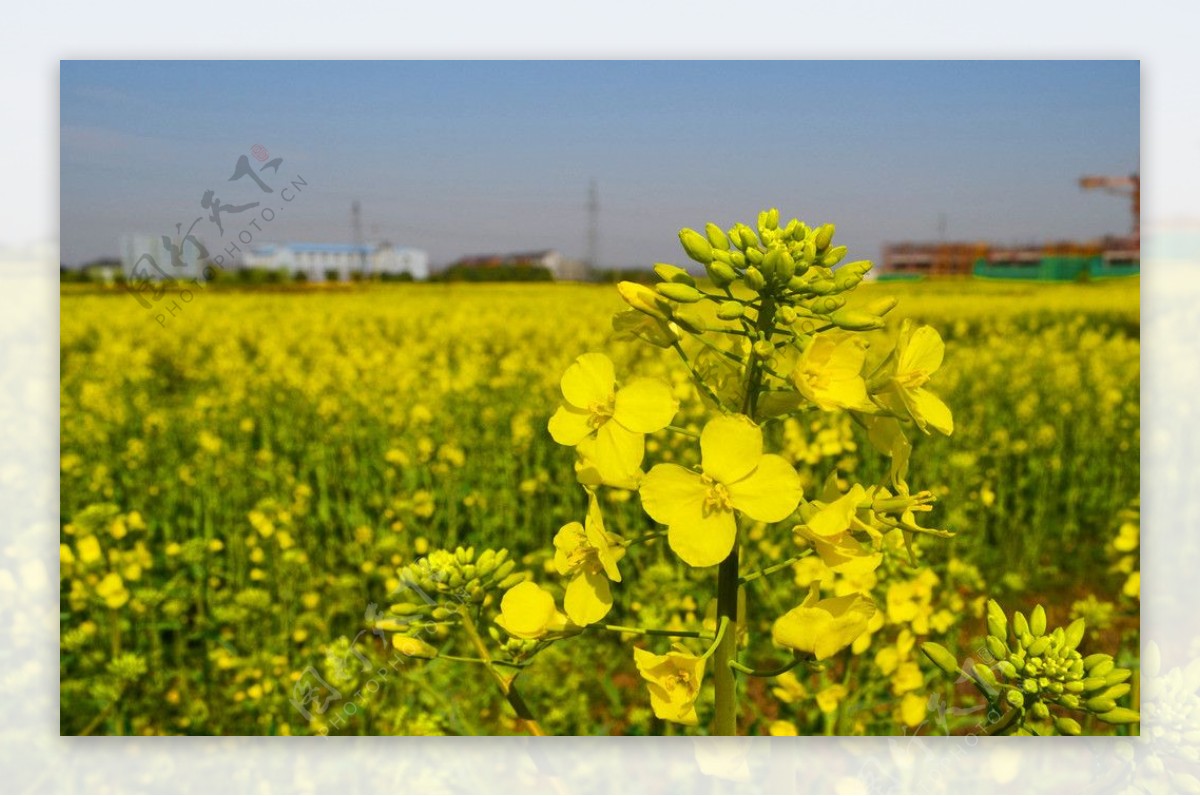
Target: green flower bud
(754, 256)
(716, 237)
(442, 613)
(407, 609)
(997, 648)
(1093, 684)
(1074, 687)
(1007, 669)
(1015, 698)
(721, 274)
(1030, 685)
(997, 624)
(677, 291)
(1121, 716)
(1037, 621)
(1040, 711)
(833, 256)
(747, 240)
(1094, 659)
(824, 236)
(856, 321)
(1116, 691)
(754, 279)
(763, 349)
(737, 259)
(1102, 668)
(770, 264)
(504, 569)
(696, 246)
(1100, 704)
(1067, 725)
(828, 304)
(986, 675)
(787, 315)
(511, 580)
(1020, 625)
(822, 287)
(731, 310)
(1117, 676)
(1039, 646)
(1074, 634)
(846, 280)
(940, 657)
(673, 273)
(768, 219)
(1070, 700)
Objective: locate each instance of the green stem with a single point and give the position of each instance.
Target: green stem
(645, 631)
(746, 670)
(696, 376)
(492, 662)
(683, 431)
(771, 570)
(723, 679)
(506, 685)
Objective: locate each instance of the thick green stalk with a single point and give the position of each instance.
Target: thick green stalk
(724, 682)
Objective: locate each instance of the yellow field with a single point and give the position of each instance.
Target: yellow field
(241, 483)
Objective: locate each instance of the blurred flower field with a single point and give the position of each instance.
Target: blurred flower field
(240, 487)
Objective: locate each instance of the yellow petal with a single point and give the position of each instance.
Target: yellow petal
(618, 450)
(570, 426)
(667, 489)
(929, 408)
(588, 598)
(589, 380)
(825, 627)
(645, 405)
(923, 352)
(730, 447)
(769, 493)
(702, 539)
(598, 539)
(834, 519)
(526, 610)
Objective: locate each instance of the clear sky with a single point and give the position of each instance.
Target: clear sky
(469, 157)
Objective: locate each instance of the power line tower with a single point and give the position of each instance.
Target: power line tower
(593, 232)
(356, 225)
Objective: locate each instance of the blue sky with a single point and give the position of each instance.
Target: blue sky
(468, 157)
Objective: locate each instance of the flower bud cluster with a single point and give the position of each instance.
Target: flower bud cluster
(794, 265)
(1036, 669)
(438, 586)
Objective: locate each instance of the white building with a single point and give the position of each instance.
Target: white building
(316, 260)
(154, 257)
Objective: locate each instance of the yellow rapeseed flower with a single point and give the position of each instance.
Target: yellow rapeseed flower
(697, 508)
(823, 627)
(674, 681)
(607, 422)
(919, 354)
(827, 529)
(830, 373)
(88, 549)
(528, 611)
(111, 589)
(588, 554)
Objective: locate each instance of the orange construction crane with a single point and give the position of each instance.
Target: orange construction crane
(1130, 186)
